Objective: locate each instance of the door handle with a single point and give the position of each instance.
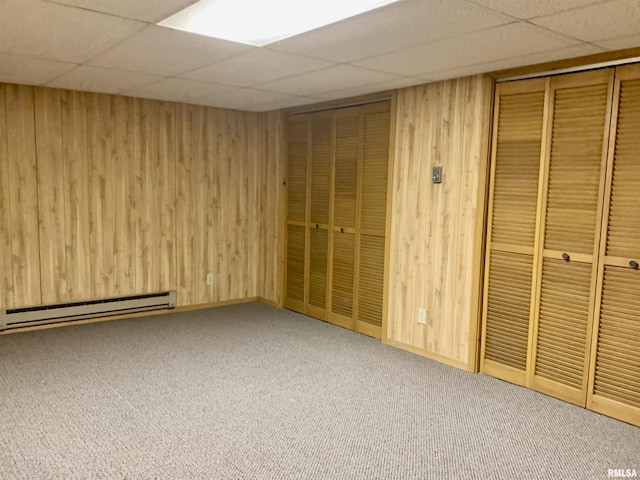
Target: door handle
(566, 257)
(633, 264)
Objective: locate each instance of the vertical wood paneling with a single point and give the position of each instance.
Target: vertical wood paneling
(165, 167)
(270, 185)
(100, 201)
(51, 195)
(123, 184)
(6, 260)
(23, 191)
(145, 172)
(121, 196)
(76, 172)
(432, 225)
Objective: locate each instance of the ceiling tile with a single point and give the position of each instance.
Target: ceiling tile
(537, 8)
(377, 87)
(290, 102)
(391, 28)
(257, 66)
(148, 10)
(165, 51)
(620, 43)
(596, 22)
(570, 52)
(507, 41)
(247, 99)
(103, 80)
(57, 32)
(175, 90)
(29, 70)
(334, 78)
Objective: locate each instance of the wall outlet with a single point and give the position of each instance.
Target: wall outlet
(210, 279)
(422, 316)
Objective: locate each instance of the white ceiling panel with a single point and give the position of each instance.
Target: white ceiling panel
(164, 51)
(104, 80)
(57, 32)
(529, 9)
(29, 70)
(286, 101)
(620, 43)
(597, 22)
(147, 10)
(508, 41)
(399, 25)
(371, 88)
(176, 90)
(570, 52)
(249, 99)
(257, 66)
(334, 78)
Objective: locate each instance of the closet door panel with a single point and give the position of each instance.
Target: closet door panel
(370, 283)
(375, 166)
(321, 125)
(297, 159)
(298, 152)
(343, 275)
(565, 302)
(513, 207)
(318, 254)
(295, 284)
(578, 133)
(509, 295)
(614, 387)
(572, 202)
(348, 149)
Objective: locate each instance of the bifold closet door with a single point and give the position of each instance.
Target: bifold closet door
(320, 193)
(337, 175)
(372, 219)
(519, 112)
(298, 152)
(614, 384)
(348, 138)
(566, 261)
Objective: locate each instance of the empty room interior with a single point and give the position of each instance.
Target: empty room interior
(372, 239)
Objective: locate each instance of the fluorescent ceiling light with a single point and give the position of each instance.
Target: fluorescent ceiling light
(260, 22)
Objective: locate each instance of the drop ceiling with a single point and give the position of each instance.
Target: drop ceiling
(114, 46)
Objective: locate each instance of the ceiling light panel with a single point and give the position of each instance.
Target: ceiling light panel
(260, 22)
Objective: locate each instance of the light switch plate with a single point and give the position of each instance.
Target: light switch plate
(436, 175)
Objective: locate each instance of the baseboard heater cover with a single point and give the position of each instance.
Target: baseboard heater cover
(64, 312)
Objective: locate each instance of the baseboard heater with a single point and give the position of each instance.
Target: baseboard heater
(64, 312)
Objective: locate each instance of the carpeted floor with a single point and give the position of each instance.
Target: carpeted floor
(251, 392)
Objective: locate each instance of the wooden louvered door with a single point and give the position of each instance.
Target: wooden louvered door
(614, 380)
(298, 154)
(511, 235)
(372, 218)
(337, 175)
(572, 195)
(348, 135)
(319, 200)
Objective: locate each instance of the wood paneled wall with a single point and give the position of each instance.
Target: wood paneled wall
(107, 195)
(434, 226)
(271, 193)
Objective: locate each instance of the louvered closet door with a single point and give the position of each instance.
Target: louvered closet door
(345, 200)
(575, 166)
(298, 141)
(372, 218)
(320, 186)
(515, 173)
(614, 387)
